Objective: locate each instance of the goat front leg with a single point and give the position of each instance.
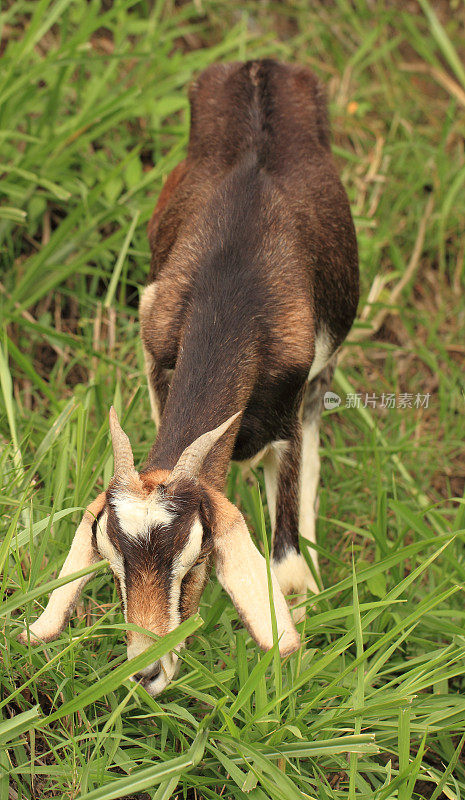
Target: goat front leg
(292, 474)
(283, 465)
(158, 378)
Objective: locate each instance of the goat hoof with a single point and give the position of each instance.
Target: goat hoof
(295, 579)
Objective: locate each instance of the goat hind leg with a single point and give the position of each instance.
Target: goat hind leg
(311, 409)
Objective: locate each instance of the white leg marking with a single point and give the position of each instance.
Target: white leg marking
(309, 480)
(146, 309)
(271, 462)
(292, 571)
(146, 302)
(154, 400)
(323, 352)
(271, 470)
(249, 464)
(115, 559)
(295, 578)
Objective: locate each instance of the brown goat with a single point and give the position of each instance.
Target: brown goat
(253, 287)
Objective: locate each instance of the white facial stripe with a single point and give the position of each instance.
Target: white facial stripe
(131, 515)
(108, 551)
(158, 514)
(104, 545)
(191, 550)
(136, 516)
(181, 564)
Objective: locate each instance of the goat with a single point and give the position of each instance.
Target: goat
(253, 286)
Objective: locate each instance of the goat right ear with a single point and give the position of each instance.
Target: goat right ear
(63, 600)
(241, 570)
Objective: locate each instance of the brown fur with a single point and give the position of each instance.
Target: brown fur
(150, 480)
(253, 251)
(171, 183)
(148, 603)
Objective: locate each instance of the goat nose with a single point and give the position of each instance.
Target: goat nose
(149, 674)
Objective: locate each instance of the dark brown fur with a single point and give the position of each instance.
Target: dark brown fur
(253, 250)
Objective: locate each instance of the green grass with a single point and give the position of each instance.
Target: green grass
(93, 115)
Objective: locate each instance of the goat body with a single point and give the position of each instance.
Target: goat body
(254, 269)
(253, 287)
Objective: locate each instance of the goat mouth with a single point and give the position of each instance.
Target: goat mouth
(146, 680)
(169, 666)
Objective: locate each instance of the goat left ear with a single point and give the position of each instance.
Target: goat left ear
(241, 570)
(63, 600)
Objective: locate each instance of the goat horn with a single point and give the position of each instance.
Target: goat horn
(122, 452)
(191, 459)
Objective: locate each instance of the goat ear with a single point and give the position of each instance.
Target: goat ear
(241, 570)
(63, 600)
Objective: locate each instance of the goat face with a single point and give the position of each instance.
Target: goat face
(158, 541)
(160, 532)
